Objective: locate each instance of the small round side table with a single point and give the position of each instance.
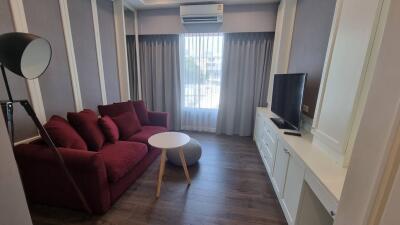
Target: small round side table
(166, 141)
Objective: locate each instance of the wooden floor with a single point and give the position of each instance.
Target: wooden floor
(229, 186)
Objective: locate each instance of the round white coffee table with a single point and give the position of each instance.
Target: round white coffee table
(166, 141)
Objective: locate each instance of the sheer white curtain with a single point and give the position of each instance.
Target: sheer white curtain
(201, 71)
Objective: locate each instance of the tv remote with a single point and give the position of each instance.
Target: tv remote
(292, 133)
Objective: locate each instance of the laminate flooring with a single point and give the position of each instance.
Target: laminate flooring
(229, 186)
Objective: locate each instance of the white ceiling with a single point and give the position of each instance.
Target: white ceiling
(151, 4)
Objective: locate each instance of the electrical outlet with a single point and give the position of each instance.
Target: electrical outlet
(306, 108)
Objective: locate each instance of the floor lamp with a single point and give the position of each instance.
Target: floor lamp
(28, 56)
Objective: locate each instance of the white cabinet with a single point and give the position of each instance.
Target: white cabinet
(288, 178)
(291, 163)
(281, 165)
(266, 140)
(293, 186)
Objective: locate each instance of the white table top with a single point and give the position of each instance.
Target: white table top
(169, 140)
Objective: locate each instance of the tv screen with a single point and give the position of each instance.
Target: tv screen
(287, 97)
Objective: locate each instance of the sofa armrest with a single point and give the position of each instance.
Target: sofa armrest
(159, 119)
(45, 182)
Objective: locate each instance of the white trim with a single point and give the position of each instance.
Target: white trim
(327, 63)
(35, 94)
(27, 141)
(97, 37)
(329, 145)
(129, 6)
(283, 41)
(139, 74)
(122, 61)
(71, 54)
(366, 80)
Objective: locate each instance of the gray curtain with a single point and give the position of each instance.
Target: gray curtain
(244, 84)
(159, 66)
(132, 66)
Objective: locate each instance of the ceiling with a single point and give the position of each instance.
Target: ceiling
(151, 4)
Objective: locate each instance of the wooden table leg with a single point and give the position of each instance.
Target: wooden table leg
(161, 171)
(182, 156)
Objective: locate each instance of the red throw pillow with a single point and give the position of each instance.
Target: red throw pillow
(86, 124)
(109, 128)
(141, 111)
(116, 109)
(63, 134)
(128, 124)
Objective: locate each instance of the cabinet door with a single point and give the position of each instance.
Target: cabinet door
(279, 174)
(293, 186)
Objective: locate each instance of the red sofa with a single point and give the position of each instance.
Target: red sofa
(103, 175)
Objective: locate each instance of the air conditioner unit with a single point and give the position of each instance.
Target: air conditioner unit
(210, 13)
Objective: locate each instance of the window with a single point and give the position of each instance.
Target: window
(201, 69)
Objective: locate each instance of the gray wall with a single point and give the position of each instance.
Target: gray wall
(310, 40)
(129, 22)
(24, 127)
(44, 19)
(109, 49)
(237, 18)
(81, 19)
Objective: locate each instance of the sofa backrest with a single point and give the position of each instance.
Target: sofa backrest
(116, 109)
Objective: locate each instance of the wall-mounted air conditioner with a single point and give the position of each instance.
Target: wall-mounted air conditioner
(209, 13)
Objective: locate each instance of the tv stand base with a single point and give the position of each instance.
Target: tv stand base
(281, 124)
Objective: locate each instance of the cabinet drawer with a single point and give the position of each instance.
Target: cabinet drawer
(270, 155)
(270, 138)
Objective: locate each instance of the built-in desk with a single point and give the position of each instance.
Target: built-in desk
(298, 171)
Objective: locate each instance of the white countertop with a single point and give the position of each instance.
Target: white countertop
(330, 174)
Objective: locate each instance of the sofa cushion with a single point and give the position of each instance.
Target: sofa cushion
(63, 134)
(110, 129)
(86, 124)
(116, 109)
(121, 157)
(146, 132)
(128, 124)
(141, 112)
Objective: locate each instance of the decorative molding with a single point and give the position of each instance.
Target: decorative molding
(129, 6)
(329, 145)
(71, 54)
(120, 35)
(327, 63)
(139, 74)
(99, 51)
(366, 79)
(389, 170)
(20, 24)
(283, 40)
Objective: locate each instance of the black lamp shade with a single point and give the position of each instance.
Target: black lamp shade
(25, 54)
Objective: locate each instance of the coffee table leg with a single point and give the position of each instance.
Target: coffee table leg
(182, 156)
(161, 171)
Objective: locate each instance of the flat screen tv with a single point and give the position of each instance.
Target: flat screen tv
(287, 100)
